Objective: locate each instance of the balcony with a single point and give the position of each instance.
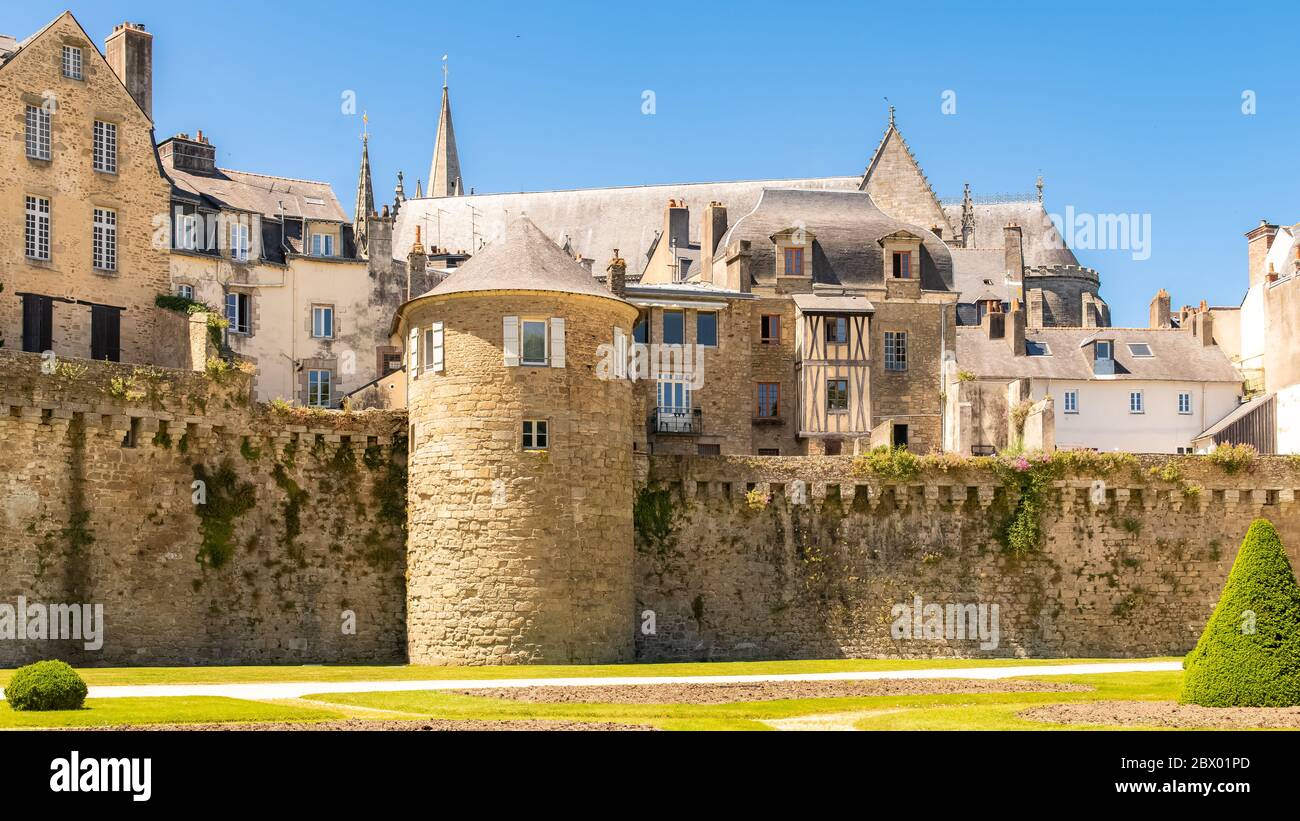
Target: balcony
(677, 420)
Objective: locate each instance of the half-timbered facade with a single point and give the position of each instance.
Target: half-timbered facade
(832, 344)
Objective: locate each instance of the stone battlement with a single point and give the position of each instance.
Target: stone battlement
(1077, 271)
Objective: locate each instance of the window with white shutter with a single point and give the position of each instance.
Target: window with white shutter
(510, 340)
(413, 353)
(557, 342)
(620, 353)
(433, 348)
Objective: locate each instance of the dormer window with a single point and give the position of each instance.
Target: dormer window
(322, 245)
(792, 246)
(1104, 349)
(902, 265)
(794, 262)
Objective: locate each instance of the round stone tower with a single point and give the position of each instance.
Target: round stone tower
(520, 487)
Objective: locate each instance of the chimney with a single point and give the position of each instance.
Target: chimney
(1013, 244)
(1203, 325)
(1258, 241)
(616, 275)
(416, 260)
(715, 225)
(1015, 328)
(197, 155)
(739, 258)
(129, 51)
(994, 324)
(1160, 314)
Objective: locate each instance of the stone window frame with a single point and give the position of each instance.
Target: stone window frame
(663, 323)
(181, 287)
(73, 69)
(245, 231)
(535, 434)
(104, 147)
(38, 128)
(333, 320)
(545, 322)
(309, 373)
(37, 244)
(234, 327)
(895, 356)
(901, 242)
(104, 244)
(798, 239)
(760, 405)
(717, 328)
(769, 339)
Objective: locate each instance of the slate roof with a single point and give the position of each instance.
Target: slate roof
(815, 304)
(261, 194)
(846, 228)
(1042, 242)
(525, 259)
(1241, 411)
(1178, 356)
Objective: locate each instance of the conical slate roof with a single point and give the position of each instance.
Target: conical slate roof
(524, 259)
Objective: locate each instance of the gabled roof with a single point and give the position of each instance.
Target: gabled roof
(1177, 355)
(525, 259)
(893, 145)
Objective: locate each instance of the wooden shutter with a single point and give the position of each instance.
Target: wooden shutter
(510, 340)
(105, 333)
(436, 332)
(620, 354)
(413, 353)
(38, 323)
(557, 342)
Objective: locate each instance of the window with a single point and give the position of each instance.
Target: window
(640, 330)
(895, 350)
(837, 395)
(768, 401)
(37, 234)
(105, 147)
(706, 328)
(708, 450)
(536, 435)
(534, 342)
(237, 313)
(1186, 451)
(837, 329)
(38, 132)
(322, 245)
(105, 333)
(72, 62)
(769, 329)
(1141, 349)
(1037, 348)
(834, 447)
(674, 395)
(239, 241)
(38, 323)
(318, 389)
(433, 348)
(187, 231)
(1184, 403)
(1071, 401)
(1104, 350)
(794, 262)
(186, 291)
(322, 321)
(104, 246)
(769, 451)
(1135, 402)
(902, 265)
(674, 328)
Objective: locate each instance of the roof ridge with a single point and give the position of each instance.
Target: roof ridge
(647, 185)
(273, 176)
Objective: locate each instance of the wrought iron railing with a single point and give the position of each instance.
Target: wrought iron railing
(676, 420)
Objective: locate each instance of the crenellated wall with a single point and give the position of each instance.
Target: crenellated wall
(302, 518)
(818, 575)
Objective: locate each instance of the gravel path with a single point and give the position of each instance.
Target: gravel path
(763, 691)
(395, 725)
(1165, 714)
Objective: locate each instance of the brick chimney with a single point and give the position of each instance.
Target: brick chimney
(1015, 328)
(994, 324)
(1258, 241)
(616, 275)
(1014, 251)
(1160, 314)
(129, 51)
(715, 225)
(197, 156)
(1203, 325)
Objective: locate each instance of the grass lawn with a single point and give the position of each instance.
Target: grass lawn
(170, 710)
(407, 672)
(991, 711)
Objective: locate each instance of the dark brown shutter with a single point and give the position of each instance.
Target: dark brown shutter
(105, 333)
(38, 323)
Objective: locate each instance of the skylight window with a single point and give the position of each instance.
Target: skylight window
(1140, 349)
(313, 200)
(1037, 348)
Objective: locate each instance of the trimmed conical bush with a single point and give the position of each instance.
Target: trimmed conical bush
(1249, 654)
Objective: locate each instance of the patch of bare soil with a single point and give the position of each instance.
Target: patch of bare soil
(394, 724)
(763, 691)
(1166, 714)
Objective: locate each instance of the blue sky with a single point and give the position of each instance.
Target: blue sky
(1122, 109)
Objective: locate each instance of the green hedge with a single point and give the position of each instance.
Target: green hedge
(1249, 654)
(46, 685)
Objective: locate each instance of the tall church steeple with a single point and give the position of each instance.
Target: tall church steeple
(444, 171)
(365, 192)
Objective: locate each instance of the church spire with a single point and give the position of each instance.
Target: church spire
(365, 189)
(444, 171)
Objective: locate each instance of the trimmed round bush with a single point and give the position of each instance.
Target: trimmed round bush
(46, 685)
(1249, 654)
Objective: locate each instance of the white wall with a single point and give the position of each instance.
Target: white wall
(1104, 422)
(1254, 328)
(1288, 419)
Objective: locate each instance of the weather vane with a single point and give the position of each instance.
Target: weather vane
(444, 71)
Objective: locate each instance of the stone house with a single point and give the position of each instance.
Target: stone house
(1139, 390)
(82, 195)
